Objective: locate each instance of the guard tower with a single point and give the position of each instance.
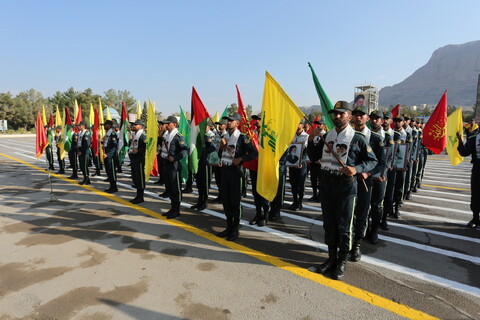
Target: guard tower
(370, 92)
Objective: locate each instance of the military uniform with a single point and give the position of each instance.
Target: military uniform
(204, 172)
(110, 148)
(411, 162)
(338, 191)
(217, 170)
(364, 195)
(136, 153)
(390, 174)
(298, 176)
(315, 170)
(472, 147)
(72, 156)
(83, 147)
(422, 160)
(49, 149)
(238, 146)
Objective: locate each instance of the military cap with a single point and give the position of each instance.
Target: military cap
(362, 109)
(387, 115)
(221, 122)
(234, 116)
(340, 106)
(81, 123)
(303, 121)
(399, 118)
(319, 122)
(256, 117)
(115, 126)
(139, 122)
(171, 119)
(405, 116)
(110, 122)
(376, 113)
(58, 127)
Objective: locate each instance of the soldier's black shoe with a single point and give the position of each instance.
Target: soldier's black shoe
(314, 198)
(187, 190)
(51, 168)
(217, 200)
(136, 200)
(355, 254)
(111, 190)
(73, 176)
(233, 235)
(293, 206)
(299, 206)
(396, 212)
(85, 182)
(254, 220)
(473, 223)
(224, 233)
(339, 272)
(165, 194)
(174, 214)
(273, 216)
(106, 180)
(60, 172)
(384, 225)
(415, 189)
(195, 206)
(261, 222)
(202, 206)
(409, 196)
(167, 213)
(119, 171)
(373, 237)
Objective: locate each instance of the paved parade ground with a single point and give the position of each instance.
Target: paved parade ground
(93, 255)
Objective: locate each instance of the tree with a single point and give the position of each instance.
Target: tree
(451, 109)
(114, 99)
(25, 106)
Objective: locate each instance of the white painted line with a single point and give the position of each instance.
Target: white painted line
(444, 192)
(466, 185)
(428, 206)
(416, 195)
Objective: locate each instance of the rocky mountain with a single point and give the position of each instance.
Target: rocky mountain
(453, 67)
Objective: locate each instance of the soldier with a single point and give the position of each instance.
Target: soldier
(162, 130)
(365, 188)
(83, 147)
(422, 158)
(61, 162)
(298, 174)
(415, 158)
(472, 147)
(217, 170)
(163, 154)
(136, 152)
(72, 156)
(49, 148)
(110, 148)
(176, 150)
(471, 128)
(315, 167)
(236, 149)
(204, 172)
(116, 158)
(338, 185)
(390, 185)
(277, 203)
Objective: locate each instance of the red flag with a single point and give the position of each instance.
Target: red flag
(245, 127)
(68, 119)
(435, 131)
(199, 112)
(50, 121)
(96, 124)
(155, 168)
(395, 112)
(78, 118)
(314, 125)
(42, 140)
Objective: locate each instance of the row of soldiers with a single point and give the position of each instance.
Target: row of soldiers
(355, 172)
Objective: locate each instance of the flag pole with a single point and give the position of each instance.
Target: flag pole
(334, 153)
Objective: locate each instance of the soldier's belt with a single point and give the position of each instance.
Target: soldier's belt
(335, 178)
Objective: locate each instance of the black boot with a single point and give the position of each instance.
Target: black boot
(299, 204)
(314, 197)
(235, 233)
(138, 198)
(408, 196)
(294, 205)
(341, 266)
(175, 212)
(396, 213)
(331, 263)
(113, 187)
(356, 255)
(374, 233)
(228, 230)
(73, 176)
(262, 221)
(384, 223)
(274, 215)
(85, 181)
(255, 219)
(475, 222)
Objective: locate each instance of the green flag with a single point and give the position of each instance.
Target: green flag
(225, 113)
(184, 129)
(324, 100)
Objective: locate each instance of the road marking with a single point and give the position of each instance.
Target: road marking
(442, 192)
(450, 188)
(416, 195)
(347, 289)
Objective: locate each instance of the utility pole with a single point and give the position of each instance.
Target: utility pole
(477, 104)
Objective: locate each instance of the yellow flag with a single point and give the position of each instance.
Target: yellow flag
(108, 116)
(152, 135)
(91, 117)
(75, 112)
(454, 125)
(139, 110)
(101, 130)
(44, 116)
(280, 119)
(58, 118)
(216, 117)
(61, 141)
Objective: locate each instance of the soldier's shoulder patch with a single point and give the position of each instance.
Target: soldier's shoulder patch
(114, 138)
(182, 142)
(247, 140)
(391, 142)
(369, 149)
(381, 144)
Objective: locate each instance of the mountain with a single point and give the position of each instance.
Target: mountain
(453, 67)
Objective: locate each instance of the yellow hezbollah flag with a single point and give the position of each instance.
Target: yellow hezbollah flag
(280, 119)
(61, 139)
(91, 116)
(58, 118)
(139, 110)
(454, 125)
(152, 135)
(75, 111)
(44, 116)
(216, 117)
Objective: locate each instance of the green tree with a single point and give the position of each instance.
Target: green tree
(25, 106)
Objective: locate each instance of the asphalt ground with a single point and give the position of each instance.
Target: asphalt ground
(91, 255)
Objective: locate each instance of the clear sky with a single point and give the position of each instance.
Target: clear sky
(158, 50)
